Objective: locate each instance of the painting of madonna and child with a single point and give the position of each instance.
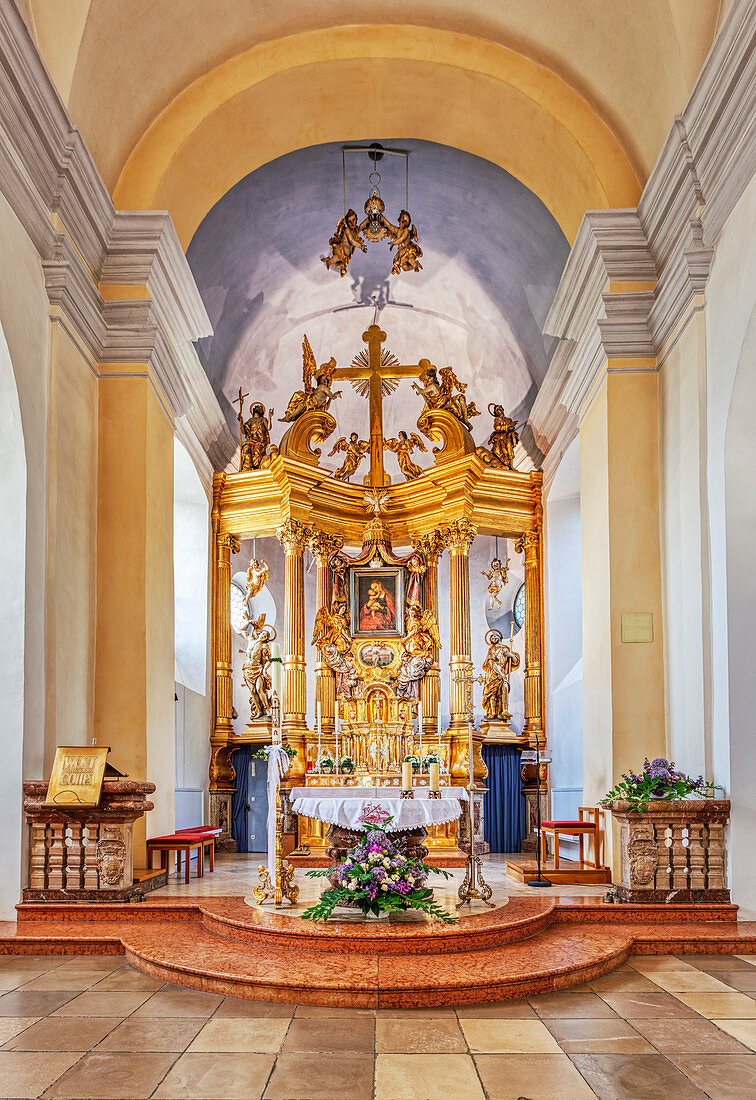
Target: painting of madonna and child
(377, 603)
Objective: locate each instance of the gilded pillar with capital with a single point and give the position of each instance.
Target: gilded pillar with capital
(293, 537)
(459, 538)
(221, 773)
(432, 547)
(529, 544)
(321, 547)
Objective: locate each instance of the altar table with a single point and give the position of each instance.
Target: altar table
(408, 814)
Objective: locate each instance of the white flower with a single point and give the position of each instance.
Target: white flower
(384, 886)
(386, 861)
(374, 857)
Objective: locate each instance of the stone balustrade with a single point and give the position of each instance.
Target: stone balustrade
(673, 851)
(86, 853)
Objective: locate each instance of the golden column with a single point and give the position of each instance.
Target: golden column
(432, 547)
(221, 772)
(459, 538)
(530, 545)
(293, 537)
(321, 547)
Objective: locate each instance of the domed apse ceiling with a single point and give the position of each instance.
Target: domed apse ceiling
(492, 259)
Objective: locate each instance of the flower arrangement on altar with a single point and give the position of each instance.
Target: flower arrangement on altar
(347, 764)
(414, 760)
(325, 764)
(431, 758)
(378, 877)
(264, 752)
(658, 780)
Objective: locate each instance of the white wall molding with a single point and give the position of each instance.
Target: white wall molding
(705, 164)
(50, 180)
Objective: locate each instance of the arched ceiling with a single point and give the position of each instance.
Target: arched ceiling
(493, 256)
(179, 101)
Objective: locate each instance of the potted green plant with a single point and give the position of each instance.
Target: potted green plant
(414, 760)
(431, 758)
(325, 764)
(347, 765)
(264, 752)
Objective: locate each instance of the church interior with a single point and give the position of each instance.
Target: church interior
(376, 566)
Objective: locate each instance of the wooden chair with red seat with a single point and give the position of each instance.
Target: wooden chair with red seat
(580, 828)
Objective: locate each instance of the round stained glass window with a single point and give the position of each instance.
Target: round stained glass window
(518, 608)
(238, 609)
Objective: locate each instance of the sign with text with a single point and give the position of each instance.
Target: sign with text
(77, 774)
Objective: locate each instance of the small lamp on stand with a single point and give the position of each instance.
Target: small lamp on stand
(534, 756)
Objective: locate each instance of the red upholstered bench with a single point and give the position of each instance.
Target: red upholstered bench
(580, 828)
(183, 843)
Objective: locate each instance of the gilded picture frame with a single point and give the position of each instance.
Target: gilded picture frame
(377, 602)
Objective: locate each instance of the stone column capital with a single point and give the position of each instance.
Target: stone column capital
(431, 546)
(527, 543)
(229, 542)
(459, 535)
(322, 545)
(293, 536)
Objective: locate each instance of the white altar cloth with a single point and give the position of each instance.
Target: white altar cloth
(345, 808)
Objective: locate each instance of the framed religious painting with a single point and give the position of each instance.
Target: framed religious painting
(377, 602)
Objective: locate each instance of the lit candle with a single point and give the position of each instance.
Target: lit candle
(420, 729)
(439, 739)
(338, 720)
(319, 734)
(433, 776)
(470, 754)
(407, 775)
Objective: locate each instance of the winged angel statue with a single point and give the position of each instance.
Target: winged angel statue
(403, 446)
(420, 642)
(317, 397)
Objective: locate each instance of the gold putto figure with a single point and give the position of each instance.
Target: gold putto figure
(404, 240)
(355, 449)
(257, 574)
(317, 397)
(343, 243)
(497, 577)
(500, 661)
(403, 446)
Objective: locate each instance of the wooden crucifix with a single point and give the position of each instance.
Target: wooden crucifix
(375, 374)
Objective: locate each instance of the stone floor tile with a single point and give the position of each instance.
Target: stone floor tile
(112, 1077)
(426, 1077)
(322, 1035)
(216, 1077)
(683, 981)
(509, 1037)
(127, 980)
(61, 1033)
(498, 1010)
(535, 1076)
(239, 1036)
(724, 1076)
(632, 1006)
(645, 964)
(102, 1004)
(176, 1002)
(744, 980)
(12, 979)
(238, 1007)
(627, 981)
(725, 1006)
(598, 1037)
(60, 980)
(420, 1036)
(750, 959)
(19, 1003)
(743, 1030)
(572, 1005)
(326, 1077)
(92, 962)
(38, 963)
(711, 963)
(696, 1036)
(316, 1012)
(424, 1012)
(635, 1077)
(10, 1026)
(26, 1074)
(152, 1035)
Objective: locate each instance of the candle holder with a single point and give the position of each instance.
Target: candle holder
(434, 794)
(408, 794)
(284, 886)
(474, 887)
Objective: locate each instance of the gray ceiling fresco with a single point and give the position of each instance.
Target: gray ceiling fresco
(492, 258)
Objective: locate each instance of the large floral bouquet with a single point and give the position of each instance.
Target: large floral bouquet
(659, 779)
(377, 876)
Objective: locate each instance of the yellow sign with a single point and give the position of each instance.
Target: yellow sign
(76, 778)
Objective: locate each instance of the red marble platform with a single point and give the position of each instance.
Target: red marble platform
(528, 945)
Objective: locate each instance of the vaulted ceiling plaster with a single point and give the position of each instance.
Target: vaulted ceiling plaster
(492, 259)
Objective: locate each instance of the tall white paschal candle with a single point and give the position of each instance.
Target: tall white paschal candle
(470, 754)
(276, 668)
(338, 722)
(319, 733)
(420, 729)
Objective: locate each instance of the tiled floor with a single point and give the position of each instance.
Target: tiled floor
(659, 1028)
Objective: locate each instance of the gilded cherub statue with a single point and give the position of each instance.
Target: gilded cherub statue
(318, 397)
(331, 638)
(254, 434)
(343, 243)
(441, 395)
(404, 239)
(418, 648)
(257, 574)
(497, 578)
(502, 440)
(403, 446)
(355, 449)
(500, 661)
(256, 667)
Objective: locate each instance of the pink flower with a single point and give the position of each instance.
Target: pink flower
(374, 815)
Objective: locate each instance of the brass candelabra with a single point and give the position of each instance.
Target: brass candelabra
(474, 887)
(284, 886)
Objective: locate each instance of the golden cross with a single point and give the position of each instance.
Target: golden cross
(382, 372)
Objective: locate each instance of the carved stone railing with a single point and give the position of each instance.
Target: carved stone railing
(84, 854)
(673, 851)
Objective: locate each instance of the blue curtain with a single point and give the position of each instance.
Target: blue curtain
(504, 804)
(240, 803)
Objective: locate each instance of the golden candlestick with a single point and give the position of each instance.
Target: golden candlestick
(284, 886)
(474, 887)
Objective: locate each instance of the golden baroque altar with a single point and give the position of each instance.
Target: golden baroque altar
(375, 620)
